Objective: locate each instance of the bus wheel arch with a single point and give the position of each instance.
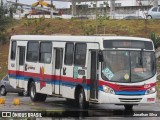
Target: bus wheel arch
(28, 86)
(33, 94)
(80, 98)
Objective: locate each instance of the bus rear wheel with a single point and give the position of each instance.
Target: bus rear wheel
(36, 96)
(81, 102)
(128, 107)
(33, 94)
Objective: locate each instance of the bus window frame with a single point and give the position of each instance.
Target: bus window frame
(15, 50)
(43, 52)
(84, 64)
(72, 53)
(37, 53)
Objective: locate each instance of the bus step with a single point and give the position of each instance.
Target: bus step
(19, 88)
(56, 95)
(93, 100)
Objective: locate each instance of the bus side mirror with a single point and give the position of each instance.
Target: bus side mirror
(100, 56)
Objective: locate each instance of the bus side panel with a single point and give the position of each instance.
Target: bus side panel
(12, 68)
(44, 85)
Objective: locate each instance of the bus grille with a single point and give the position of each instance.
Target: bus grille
(130, 88)
(130, 99)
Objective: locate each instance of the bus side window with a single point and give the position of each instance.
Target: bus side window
(69, 53)
(13, 50)
(32, 51)
(45, 52)
(80, 54)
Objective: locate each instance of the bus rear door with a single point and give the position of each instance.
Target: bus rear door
(58, 69)
(20, 66)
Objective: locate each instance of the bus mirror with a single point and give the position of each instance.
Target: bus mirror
(100, 56)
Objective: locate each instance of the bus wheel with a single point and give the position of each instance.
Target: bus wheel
(128, 107)
(81, 100)
(33, 94)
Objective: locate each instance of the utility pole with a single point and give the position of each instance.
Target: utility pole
(16, 3)
(51, 9)
(112, 8)
(96, 18)
(1, 3)
(73, 8)
(155, 3)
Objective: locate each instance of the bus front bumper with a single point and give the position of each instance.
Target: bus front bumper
(126, 99)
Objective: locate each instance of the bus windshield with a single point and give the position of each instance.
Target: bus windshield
(128, 66)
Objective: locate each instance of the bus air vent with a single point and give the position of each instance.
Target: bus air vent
(130, 99)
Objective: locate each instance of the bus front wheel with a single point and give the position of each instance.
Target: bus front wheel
(36, 96)
(81, 102)
(128, 107)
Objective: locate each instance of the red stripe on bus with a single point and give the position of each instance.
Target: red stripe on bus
(114, 86)
(49, 77)
(127, 87)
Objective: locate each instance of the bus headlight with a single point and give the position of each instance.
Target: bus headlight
(151, 90)
(108, 89)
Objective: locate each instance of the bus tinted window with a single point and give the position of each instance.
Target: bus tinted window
(32, 51)
(13, 50)
(69, 54)
(45, 52)
(80, 54)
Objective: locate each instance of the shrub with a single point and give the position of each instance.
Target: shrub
(156, 39)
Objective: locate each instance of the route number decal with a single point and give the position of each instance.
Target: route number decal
(108, 73)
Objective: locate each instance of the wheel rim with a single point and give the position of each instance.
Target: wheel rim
(33, 91)
(25, 93)
(3, 90)
(149, 17)
(81, 98)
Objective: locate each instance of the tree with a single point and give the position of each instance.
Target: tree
(4, 21)
(156, 41)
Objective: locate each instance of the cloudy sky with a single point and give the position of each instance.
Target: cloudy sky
(58, 4)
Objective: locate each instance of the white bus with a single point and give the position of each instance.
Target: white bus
(99, 69)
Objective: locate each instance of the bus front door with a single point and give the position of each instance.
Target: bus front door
(21, 67)
(58, 69)
(94, 76)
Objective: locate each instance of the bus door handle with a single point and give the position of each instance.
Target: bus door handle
(84, 79)
(25, 67)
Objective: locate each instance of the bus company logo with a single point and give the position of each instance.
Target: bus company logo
(42, 83)
(147, 86)
(29, 67)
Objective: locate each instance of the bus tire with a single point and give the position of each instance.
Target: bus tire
(128, 107)
(81, 102)
(33, 95)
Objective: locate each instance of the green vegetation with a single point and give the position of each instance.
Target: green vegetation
(156, 39)
(4, 22)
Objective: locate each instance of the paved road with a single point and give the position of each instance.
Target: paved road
(59, 107)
